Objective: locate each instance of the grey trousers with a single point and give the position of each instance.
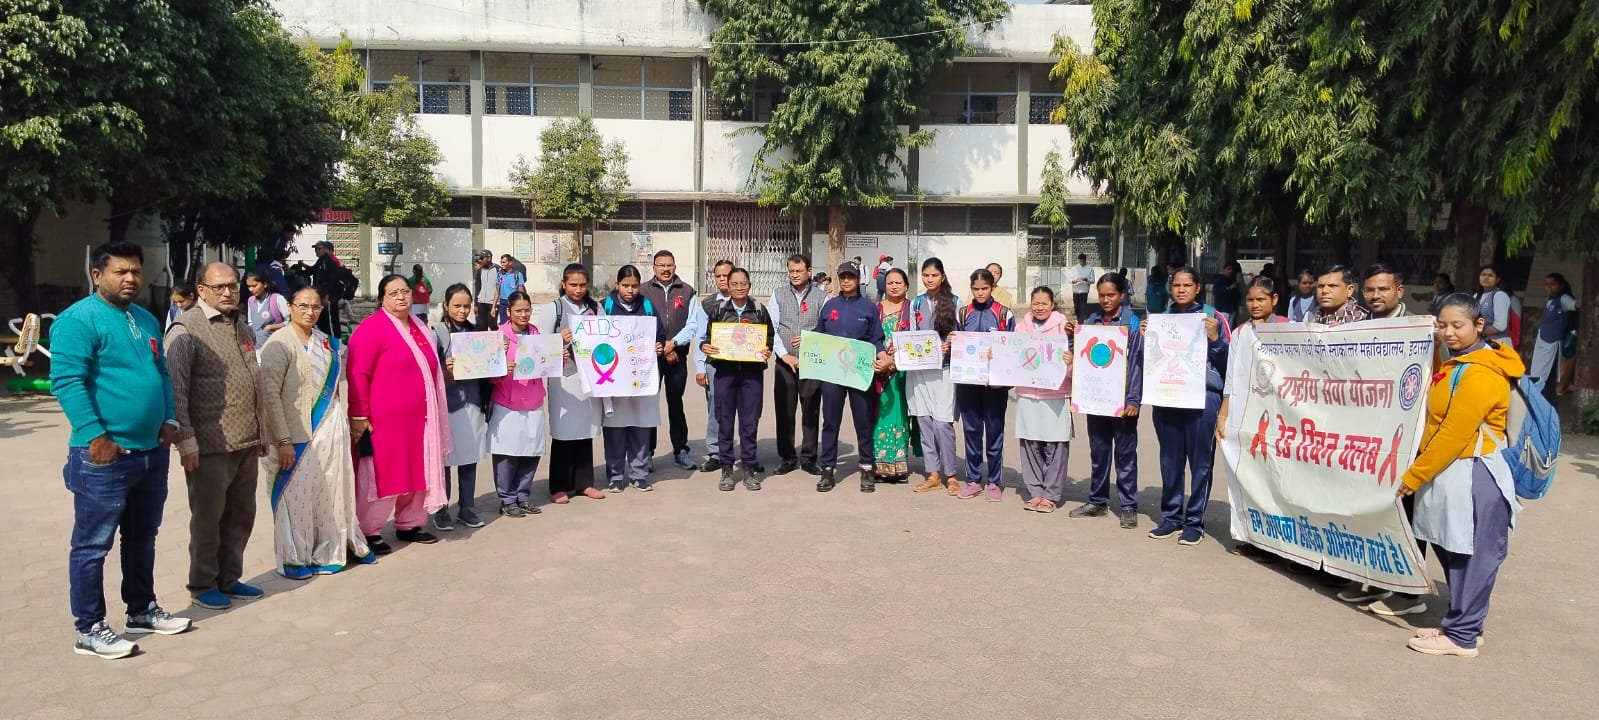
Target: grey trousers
(1471, 577)
(1044, 469)
(938, 446)
(221, 515)
(627, 454)
(711, 426)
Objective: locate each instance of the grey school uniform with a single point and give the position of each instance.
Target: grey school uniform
(930, 398)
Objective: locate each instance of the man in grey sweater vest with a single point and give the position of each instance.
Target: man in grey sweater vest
(795, 309)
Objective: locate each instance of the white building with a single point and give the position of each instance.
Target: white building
(492, 74)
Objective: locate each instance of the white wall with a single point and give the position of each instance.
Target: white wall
(62, 244)
(962, 254)
(729, 158)
(453, 133)
(970, 160)
(444, 253)
(505, 138)
(1040, 140)
(660, 153)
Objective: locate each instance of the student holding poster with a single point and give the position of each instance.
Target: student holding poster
(630, 421)
(739, 385)
(516, 422)
(983, 408)
(1115, 438)
(852, 316)
(1044, 417)
(1188, 436)
(574, 416)
(931, 393)
(469, 431)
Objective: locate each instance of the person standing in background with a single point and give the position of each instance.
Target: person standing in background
(421, 293)
(794, 310)
(182, 298)
(1082, 278)
(218, 400)
(674, 303)
(1001, 293)
(1157, 292)
(266, 310)
(487, 296)
(510, 280)
(1304, 298)
(1384, 290)
(704, 373)
(107, 354)
(1498, 307)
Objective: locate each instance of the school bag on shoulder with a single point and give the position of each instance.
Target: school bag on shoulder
(1532, 435)
(970, 308)
(1513, 324)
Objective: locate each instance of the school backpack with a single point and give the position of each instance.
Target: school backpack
(1513, 325)
(1532, 435)
(994, 307)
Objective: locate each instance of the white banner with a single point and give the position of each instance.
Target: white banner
(1099, 376)
(1322, 424)
(615, 356)
(1175, 350)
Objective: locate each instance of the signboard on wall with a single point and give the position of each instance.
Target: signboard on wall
(643, 247)
(860, 242)
(522, 245)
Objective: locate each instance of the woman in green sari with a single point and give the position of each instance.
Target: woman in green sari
(894, 439)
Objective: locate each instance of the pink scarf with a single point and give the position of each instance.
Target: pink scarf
(436, 432)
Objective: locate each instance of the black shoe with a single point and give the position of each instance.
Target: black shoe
(378, 547)
(757, 467)
(1087, 510)
(416, 535)
(1129, 519)
(513, 510)
(752, 478)
(711, 465)
(826, 483)
(811, 468)
(868, 484)
(786, 467)
(728, 482)
(528, 508)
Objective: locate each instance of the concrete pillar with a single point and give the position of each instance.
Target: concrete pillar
(476, 99)
(585, 85)
(699, 124)
(1024, 80)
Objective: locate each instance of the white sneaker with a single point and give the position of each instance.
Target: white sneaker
(1364, 594)
(157, 621)
(1398, 606)
(100, 641)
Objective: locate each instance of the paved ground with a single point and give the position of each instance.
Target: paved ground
(691, 603)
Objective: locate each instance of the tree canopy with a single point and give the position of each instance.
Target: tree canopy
(578, 177)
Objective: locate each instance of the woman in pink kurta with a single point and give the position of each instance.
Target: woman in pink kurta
(397, 392)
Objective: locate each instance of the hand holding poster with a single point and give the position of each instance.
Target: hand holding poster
(615, 356)
(537, 356)
(1027, 360)
(836, 360)
(968, 357)
(1174, 360)
(740, 342)
(1327, 423)
(1099, 376)
(918, 350)
(477, 355)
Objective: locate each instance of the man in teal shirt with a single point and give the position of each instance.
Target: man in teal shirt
(109, 373)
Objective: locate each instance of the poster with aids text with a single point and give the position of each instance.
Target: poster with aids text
(615, 356)
(836, 360)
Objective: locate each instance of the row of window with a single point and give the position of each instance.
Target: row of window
(651, 88)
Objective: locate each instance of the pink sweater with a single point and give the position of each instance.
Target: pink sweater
(516, 394)
(1056, 324)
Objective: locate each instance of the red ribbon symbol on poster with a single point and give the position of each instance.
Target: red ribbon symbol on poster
(604, 361)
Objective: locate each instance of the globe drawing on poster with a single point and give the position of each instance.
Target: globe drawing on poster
(538, 356)
(1099, 377)
(918, 350)
(615, 356)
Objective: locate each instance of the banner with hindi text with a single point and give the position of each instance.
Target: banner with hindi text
(1322, 424)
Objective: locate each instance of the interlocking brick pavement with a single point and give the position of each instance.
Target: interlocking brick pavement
(693, 603)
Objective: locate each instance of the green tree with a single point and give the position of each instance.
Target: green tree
(579, 176)
(844, 97)
(1051, 208)
(388, 177)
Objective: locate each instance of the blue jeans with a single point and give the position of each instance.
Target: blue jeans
(130, 492)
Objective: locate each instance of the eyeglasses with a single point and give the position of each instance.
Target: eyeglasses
(222, 289)
(302, 307)
(738, 286)
(397, 294)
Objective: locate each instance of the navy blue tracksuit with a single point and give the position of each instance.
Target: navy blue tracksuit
(1188, 436)
(982, 409)
(856, 318)
(1118, 436)
(738, 385)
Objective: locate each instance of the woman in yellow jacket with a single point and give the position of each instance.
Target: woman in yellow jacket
(1465, 497)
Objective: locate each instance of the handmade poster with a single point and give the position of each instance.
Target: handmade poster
(918, 350)
(1099, 375)
(1029, 360)
(1174, 360)
(836, 360)
(968, 357)
(740, 342)
(537, 356)
(1322, 425)
(615, 356)
(478, 355)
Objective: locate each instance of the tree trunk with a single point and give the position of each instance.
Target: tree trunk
(1471, 221)
(1586, 378)
(182, 233)
(835, 237)
(121, 217)
(16, 242)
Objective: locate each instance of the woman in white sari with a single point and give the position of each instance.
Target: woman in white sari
(312, 470)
